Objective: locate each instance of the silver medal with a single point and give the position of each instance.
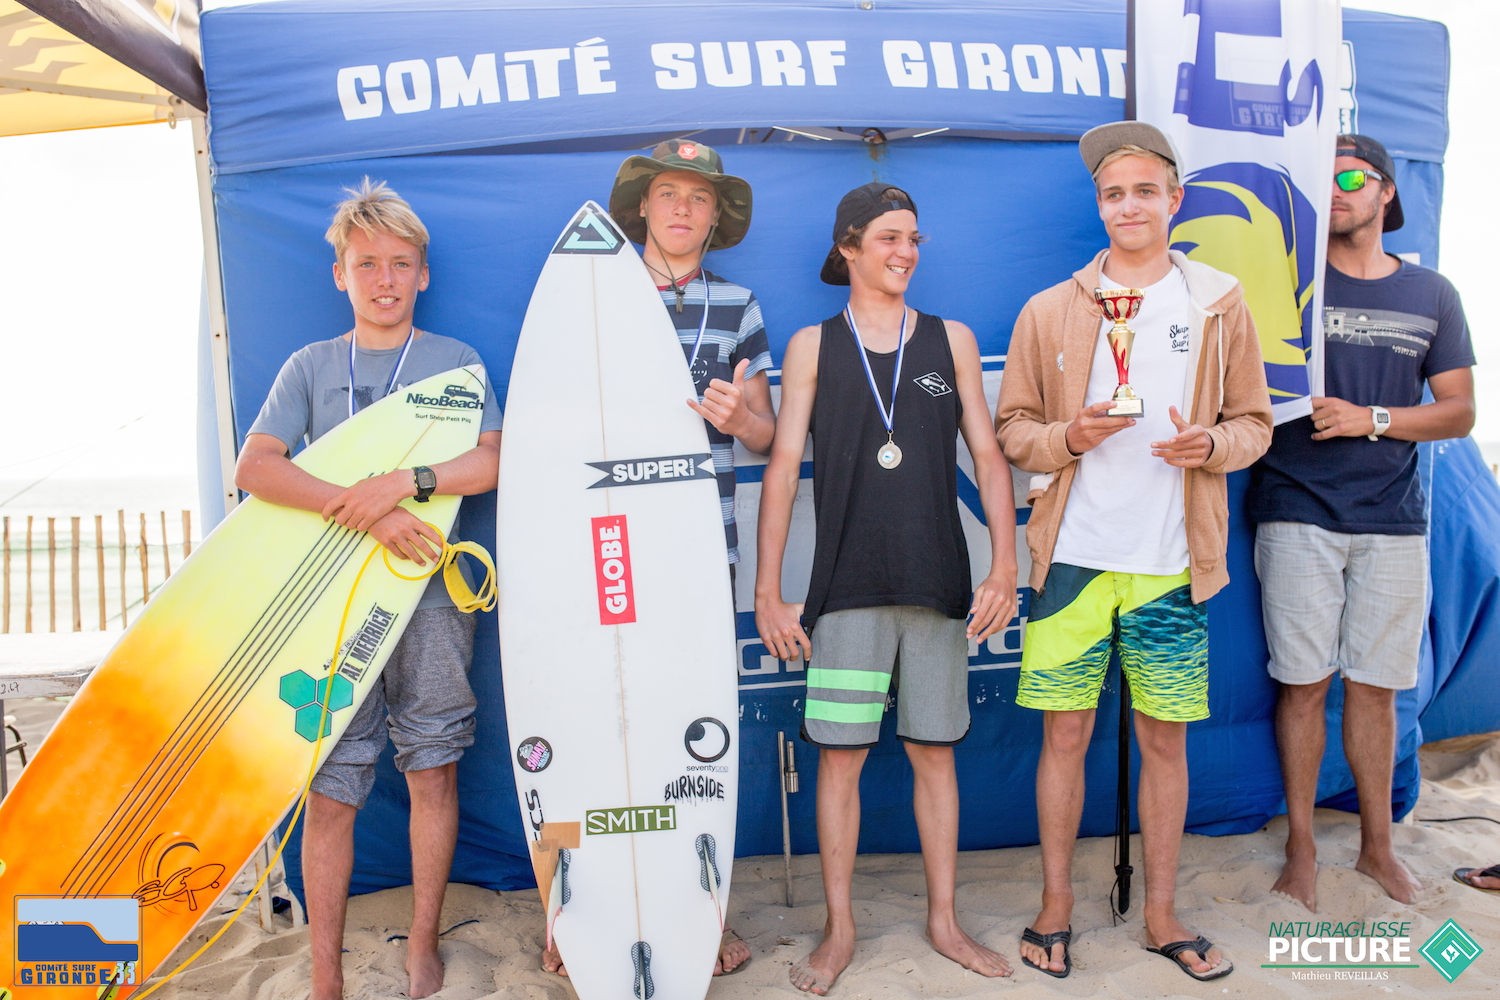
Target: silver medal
(889, 455)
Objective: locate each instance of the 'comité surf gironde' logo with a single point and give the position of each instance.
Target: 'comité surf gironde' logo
(1252, 222)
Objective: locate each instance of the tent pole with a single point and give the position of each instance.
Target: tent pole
(218, 324)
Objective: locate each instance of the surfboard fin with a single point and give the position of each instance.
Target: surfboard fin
(559, 894)
(640, 956)
(708, 872)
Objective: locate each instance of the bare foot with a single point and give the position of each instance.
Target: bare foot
(553, 963)
(733, 953)
(818, 972)
(1299, 876)
(949, 940)
(1055, 916)
(1398, 883)
(327, 991)
(1169, 930)
(424, 969)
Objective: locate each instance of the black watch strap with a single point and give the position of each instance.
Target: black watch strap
(426, 482)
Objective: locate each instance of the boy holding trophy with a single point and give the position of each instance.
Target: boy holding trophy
(1130, 390)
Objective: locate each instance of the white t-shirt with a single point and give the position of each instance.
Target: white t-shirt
(1124, 510)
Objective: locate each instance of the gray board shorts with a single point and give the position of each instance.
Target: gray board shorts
(422, 697)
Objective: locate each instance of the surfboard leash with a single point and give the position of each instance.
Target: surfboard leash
(465, 598)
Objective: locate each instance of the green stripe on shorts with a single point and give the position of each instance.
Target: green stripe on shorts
(833, 711)
(849, 679)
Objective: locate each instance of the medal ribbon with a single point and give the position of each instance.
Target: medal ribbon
(702, 324)
(888, 419)
(391, 384)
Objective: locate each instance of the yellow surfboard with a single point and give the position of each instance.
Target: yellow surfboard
(195, 735)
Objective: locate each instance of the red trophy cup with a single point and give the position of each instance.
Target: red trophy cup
(1120, 305)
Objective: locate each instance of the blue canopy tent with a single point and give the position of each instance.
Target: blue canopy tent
(497, 118)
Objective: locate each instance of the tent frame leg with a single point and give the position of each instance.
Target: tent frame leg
(217, 320)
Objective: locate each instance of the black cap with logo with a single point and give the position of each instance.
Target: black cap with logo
(1373, 152)
(859, 207)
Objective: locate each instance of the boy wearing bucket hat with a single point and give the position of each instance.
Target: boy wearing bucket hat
(1127, 530)
(885, 391)
(1340, 543)
(678, 203)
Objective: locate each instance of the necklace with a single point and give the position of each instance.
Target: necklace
(889, 455)
(391, 384)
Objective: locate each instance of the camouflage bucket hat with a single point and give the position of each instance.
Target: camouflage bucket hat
(681, 154)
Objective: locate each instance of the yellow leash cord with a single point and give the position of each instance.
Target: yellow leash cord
(467, 601)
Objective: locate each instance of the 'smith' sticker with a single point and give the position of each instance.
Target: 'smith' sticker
(640, 471)
(77, 941)
(630, 819)
(612, 570)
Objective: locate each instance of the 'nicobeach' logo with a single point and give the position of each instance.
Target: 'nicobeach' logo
(1252, 222)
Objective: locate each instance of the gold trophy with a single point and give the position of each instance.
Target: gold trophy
(1120, 305)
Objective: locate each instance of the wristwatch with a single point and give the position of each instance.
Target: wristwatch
(1382, 422)
(426, 481)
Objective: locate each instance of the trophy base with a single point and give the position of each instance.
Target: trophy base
(1131, 407)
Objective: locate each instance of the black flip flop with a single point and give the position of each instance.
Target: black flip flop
(1464, 874)
(1201, 946)
(1045, 942)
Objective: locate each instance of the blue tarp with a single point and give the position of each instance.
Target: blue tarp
(1007, 217)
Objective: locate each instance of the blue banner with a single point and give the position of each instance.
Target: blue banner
(395, 78)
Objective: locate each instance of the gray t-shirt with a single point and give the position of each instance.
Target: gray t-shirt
(311, 397)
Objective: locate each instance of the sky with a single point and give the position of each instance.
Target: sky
(102, 293)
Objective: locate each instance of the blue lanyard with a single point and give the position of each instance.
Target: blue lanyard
(391, 384)
(889, 419)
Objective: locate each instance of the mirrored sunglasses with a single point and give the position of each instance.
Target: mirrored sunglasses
(1353, 180)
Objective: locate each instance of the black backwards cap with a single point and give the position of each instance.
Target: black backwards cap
(1372, 151)
(858, 208)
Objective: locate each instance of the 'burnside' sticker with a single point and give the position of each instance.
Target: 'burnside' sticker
(612, 570)
(640, 471)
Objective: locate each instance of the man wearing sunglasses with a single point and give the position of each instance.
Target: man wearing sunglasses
(1341, 537)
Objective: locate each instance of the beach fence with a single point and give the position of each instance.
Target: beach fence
(87, 574)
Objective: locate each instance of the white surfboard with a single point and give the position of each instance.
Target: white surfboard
(616, 627)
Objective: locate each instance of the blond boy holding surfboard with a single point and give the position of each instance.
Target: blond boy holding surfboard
(890, 564)
(423, 695)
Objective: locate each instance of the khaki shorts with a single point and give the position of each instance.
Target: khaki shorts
(1348, 603)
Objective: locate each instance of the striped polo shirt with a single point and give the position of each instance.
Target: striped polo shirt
(734, 331)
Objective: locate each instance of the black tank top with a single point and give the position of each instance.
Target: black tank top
(887, 536)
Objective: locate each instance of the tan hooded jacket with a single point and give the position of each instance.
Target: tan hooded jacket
(1047, 376)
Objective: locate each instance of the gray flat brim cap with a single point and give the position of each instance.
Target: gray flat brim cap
(1101, 140)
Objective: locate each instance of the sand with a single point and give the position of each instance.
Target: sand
(1223, 891)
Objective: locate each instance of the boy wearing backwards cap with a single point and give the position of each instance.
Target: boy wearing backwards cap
(1341, 544)
(679, 204)
(423, 696)
(885, 391)
(1128, 528)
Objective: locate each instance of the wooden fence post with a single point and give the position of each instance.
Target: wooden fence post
(77, 583)
(166, 551)
(124, 594)
(5, 625)
(28, 572)
(51, 574)
(145, 564)
(99, 556)
(187, 533)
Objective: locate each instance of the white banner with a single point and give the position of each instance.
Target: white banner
(1248, 90)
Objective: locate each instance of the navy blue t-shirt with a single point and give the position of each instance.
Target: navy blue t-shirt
(1382, 340)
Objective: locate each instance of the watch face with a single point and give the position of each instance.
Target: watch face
(426, 479)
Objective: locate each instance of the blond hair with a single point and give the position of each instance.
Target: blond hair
(1130, 149)
(375, 208)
